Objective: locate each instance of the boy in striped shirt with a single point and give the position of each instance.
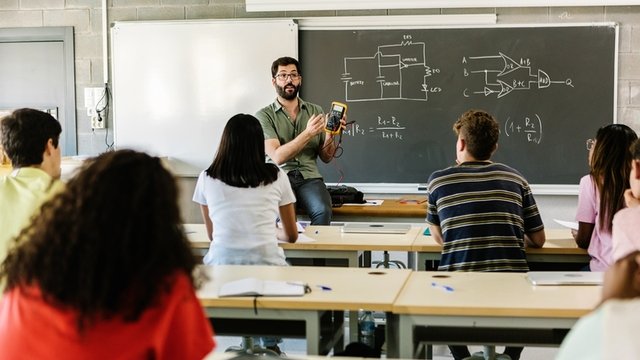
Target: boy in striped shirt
(483, 213)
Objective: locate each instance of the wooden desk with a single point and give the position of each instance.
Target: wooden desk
(559, 248)
(506, 304)
(391, 210)
(330, 243)
(197, 235)
(352, 289)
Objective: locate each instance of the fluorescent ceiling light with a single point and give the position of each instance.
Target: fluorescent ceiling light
(311, 5)
(400, 21)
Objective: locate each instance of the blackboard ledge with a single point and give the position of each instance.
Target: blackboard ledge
(399, 188)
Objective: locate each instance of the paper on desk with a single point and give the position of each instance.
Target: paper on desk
(570, 224)
(368, 203)
(302, 239)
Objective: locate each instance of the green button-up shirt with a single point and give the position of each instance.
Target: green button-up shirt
(277, 124)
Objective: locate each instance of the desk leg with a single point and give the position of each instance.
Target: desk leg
(365, 259)
(411, 260)
(353, 326)
(406, 346)
(421, 260)
(399, 337)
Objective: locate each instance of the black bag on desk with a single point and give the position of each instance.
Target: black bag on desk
(345, 195)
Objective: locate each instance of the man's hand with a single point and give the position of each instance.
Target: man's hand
(316, 125)
(343, 125)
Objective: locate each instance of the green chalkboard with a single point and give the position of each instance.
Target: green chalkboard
(550, 87)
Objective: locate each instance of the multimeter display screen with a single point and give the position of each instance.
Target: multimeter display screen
(337, 108)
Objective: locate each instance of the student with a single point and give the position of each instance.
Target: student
(601, 193)
(625, 222)
(295, 138)
(105, 271)
(30, 139)
(483, 213)
(241, 197)
(607, 332)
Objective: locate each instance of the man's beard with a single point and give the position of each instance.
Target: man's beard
(287, 95)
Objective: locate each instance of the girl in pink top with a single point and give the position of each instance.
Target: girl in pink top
(601, 193)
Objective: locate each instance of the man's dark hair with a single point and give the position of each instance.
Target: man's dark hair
(480, 131)
(284, 61)
(25, 133)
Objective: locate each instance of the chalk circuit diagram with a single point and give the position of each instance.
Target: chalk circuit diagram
(394, 72)
(503, 75)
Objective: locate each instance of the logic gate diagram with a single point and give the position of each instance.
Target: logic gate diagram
(502, 75)
(394, 72)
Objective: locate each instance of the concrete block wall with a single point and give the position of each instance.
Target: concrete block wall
(86, 17)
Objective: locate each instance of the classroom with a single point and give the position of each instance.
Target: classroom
(106, 34)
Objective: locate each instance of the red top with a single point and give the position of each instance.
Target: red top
(175, 328)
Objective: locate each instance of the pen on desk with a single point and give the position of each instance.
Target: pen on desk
(446, 288)
(324, 287)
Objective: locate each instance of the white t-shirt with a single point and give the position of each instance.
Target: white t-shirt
(604, 334)
(244, 220)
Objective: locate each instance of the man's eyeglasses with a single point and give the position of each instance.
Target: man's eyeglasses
(590, 144)
(283, 77)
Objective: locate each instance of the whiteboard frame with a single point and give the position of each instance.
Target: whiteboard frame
(184, 125)
(396, 23)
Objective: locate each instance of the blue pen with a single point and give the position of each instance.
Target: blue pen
(324, 288)
(446, 288)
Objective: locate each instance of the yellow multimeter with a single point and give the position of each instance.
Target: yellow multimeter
(337, 112)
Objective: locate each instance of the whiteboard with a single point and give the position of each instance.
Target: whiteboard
(176, 83)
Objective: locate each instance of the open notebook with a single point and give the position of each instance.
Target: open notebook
(257, 287)
(565, 277)
(376, 228)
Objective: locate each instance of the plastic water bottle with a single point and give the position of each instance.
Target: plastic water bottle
(367, 327)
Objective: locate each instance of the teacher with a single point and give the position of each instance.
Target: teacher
(295, 137)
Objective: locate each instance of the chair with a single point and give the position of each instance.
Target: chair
(386, 262)
(488, 353)
(247, 346)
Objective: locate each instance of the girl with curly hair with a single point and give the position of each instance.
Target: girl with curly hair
(105, 271)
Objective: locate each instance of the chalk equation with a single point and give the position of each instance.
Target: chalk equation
(389, 129)
(503, 75)
(394, 72)
(527, 127)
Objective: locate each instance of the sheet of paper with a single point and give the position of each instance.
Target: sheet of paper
(257, 287)
(570, 224)
(368, 203)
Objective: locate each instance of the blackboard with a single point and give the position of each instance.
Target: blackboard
(550, 88)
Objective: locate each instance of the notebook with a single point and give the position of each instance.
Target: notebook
(376, 228)
(565, 277)
(257, 287)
